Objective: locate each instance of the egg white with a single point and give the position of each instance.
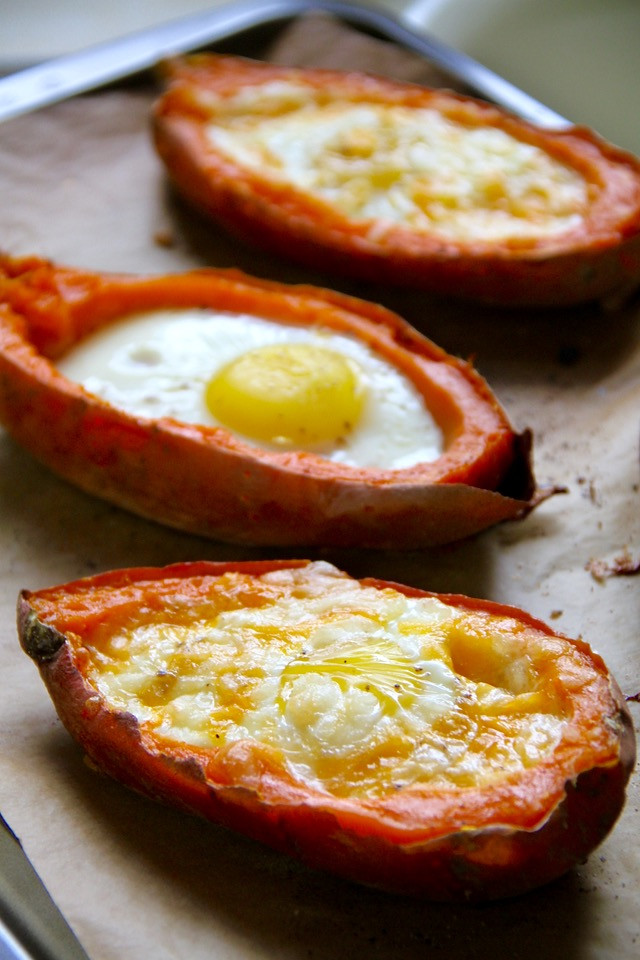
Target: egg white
(157, 365)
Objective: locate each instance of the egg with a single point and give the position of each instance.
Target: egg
(392, 164)
(252, 411)
(395, 183)
(433, 745)
(274, 385)
(355, 686)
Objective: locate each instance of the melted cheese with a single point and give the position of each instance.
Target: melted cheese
(360, 690)
(397, 165)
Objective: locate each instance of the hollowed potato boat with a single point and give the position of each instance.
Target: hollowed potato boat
(208, 479)
(401, 184)
(430, 745)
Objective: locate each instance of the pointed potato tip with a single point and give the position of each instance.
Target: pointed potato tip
(39, 641)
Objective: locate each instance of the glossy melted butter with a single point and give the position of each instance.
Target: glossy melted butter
(400, 166)
(361, 690)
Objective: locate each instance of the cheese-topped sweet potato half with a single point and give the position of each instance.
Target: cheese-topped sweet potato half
(398, 183)
(250, 411)
(431, 745)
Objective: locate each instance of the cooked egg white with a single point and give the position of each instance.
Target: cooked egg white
(361, 690)
(394, 165)
(277, 386)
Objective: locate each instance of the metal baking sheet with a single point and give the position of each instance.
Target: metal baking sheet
(133, 53)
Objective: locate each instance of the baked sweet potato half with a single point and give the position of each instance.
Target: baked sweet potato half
(397, 183)
(431, 745)
(250, 411)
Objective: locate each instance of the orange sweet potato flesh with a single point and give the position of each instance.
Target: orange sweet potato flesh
(204, 480)
(470, 842)
(597, 259)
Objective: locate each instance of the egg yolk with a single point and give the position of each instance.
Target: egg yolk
(293, 394)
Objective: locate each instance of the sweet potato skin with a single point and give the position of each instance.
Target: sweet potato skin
(204, 481)
(486, 843)
(598, 261)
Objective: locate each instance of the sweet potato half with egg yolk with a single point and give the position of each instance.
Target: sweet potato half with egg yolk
(397, 183)
(431, 745)
(209, 480)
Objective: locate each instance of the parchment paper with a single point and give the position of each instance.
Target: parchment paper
(80, 184)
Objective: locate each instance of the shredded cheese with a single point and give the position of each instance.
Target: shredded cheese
(361, 690)
(395, 165)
